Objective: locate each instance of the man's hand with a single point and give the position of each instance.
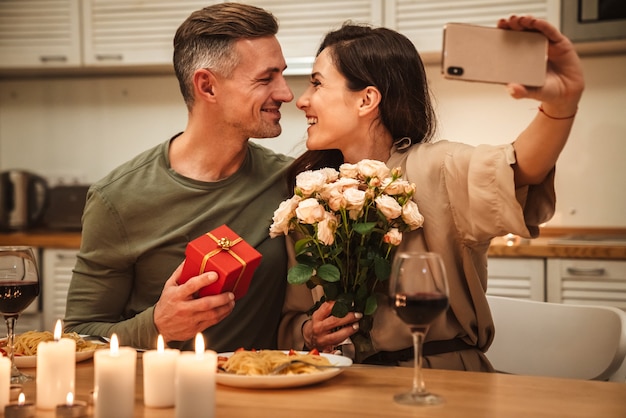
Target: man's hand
(179, 315)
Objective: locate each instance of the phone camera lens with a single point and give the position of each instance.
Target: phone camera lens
(455, 71)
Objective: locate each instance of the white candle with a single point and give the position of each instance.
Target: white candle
(114, 381)
(195, 382)
(5, 381)
(56, 369)
(159, 367)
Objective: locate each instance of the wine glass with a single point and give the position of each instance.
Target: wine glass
(19, 286)
(418, 291)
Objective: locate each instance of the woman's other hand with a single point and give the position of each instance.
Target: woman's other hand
(324, 331)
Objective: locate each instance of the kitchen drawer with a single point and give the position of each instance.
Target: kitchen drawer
(522, 278)
(57, 266)
(595, 282)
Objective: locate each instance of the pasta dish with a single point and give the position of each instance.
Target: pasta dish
(262, 362)
(26, 343)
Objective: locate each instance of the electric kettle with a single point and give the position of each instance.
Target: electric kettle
(23, 199)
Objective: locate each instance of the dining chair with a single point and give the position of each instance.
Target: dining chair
(560, 340)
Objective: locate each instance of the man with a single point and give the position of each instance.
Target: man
(139, 218)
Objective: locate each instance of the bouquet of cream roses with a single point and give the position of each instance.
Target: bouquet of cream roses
(348, 224)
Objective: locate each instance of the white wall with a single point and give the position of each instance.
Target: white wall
(84, 127)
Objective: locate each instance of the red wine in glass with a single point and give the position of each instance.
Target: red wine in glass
(17, 296)
(420, 309)
(19, 286)
(418, 292)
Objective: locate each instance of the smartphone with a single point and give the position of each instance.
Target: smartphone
(492, 55)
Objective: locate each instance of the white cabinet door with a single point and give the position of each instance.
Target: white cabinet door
(522, 278)
(57, 273)
(593, 282)
(133, 32)
(39, 34)
(422, 21)
(304, 24)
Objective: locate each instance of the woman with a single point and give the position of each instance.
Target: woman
(369, 98)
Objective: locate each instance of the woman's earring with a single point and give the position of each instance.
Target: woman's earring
(402, 143)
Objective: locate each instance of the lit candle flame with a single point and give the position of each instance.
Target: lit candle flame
(199, 345)
(58, 330)
(21, 399)
(160, 344)
(69, 399)
(115, 345)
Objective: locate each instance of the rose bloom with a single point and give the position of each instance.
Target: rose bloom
(336, 200)
(283, 215)
(373, 168)
(330, 173)
(348, 170)
(388, 206)
(411, 215)
(338, 186)
(309, 182)
(393, 237)
(375, 182)
(355, 199)
(398, 186)
(309, 211)
(326, 229)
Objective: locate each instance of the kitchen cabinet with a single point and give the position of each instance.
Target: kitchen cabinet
(126, 33)
(595, 282)
(422, 21)
(132, 32)
(57, 274)
(39, 34)
(137, 34)
(517, 277)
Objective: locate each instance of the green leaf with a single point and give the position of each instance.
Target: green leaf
(329, 273)
(331, 290)
(299, 274)
(370, 305)
(340, 309)
(382, 268)
(302, 245)
(307, 259)
(364, 227)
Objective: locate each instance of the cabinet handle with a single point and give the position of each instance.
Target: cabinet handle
(109, 57)
(65, 257)
(53, 58)
(592, 271)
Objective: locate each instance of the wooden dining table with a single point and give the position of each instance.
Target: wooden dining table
(367, 391)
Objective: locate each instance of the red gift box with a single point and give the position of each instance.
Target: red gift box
(224, 252)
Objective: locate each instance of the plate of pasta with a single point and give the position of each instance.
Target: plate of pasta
(26, 347)
(251, 368)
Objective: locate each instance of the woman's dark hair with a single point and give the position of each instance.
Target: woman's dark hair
(387, 60)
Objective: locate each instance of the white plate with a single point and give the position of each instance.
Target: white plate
(31, 361)
(282, 381)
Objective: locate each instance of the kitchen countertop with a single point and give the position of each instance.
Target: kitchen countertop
(42, 238)
(545, 248)
(542, 247)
